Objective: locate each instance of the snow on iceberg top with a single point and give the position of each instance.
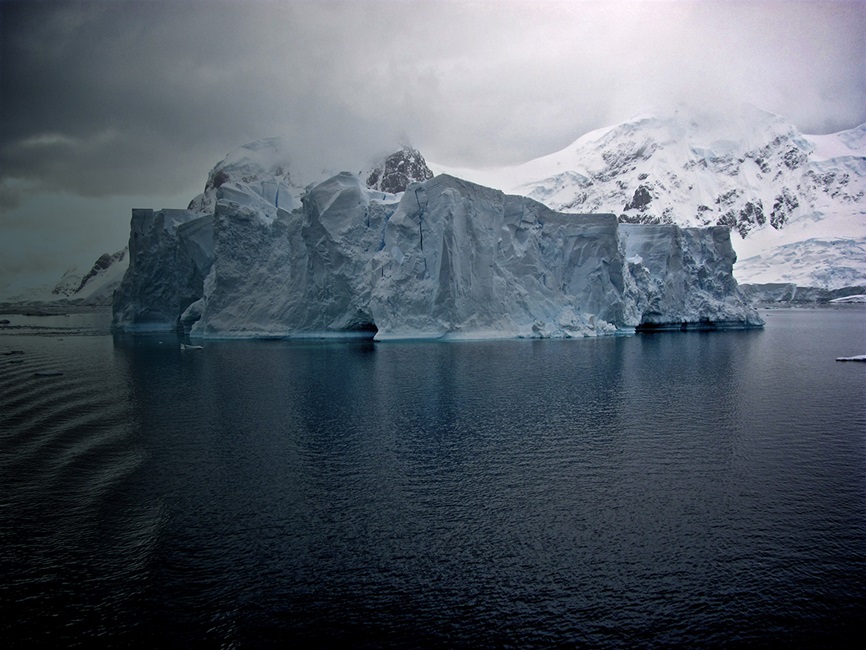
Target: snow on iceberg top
(264, 176)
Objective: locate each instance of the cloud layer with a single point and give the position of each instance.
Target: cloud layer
(141, 98)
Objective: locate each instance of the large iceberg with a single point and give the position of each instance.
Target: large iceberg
(441, 258)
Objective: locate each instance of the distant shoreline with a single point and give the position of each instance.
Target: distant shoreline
(49, 308)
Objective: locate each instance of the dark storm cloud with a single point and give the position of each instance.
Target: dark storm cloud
(101, 99)
(111, 98)
(107, 98)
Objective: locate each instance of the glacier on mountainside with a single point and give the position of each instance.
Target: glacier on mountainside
(824, 262)
(439, 258)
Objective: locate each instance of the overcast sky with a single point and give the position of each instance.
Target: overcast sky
(106, 106)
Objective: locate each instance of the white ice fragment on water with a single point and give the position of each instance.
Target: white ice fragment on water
(859, 357)
(857, 298)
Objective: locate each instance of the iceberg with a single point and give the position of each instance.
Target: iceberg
(440, 258)
(684, 277)
(170, 252)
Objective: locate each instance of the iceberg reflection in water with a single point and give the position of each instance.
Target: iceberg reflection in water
(659, 489)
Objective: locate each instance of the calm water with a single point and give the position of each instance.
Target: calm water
(655, 490)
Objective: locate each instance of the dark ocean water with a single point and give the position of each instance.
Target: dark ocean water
(659, 490)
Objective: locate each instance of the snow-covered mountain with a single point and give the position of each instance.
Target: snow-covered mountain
(92, 289)
(795, 202)
(97, 286)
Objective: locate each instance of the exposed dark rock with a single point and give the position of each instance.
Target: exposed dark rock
(622, 158)
(727, 198)
(398, 171)
(105, 260)
(783, 206)
(794, 158)
(641, 199)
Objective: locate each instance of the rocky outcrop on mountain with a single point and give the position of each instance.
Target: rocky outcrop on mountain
(398, 171)
(100, 266)
(68, 284)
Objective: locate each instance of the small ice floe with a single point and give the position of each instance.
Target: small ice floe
(186, 346)
(859, 357)
(47, 373)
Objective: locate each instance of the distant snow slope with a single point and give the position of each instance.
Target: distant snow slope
(796, 202)
(93, 289)
(98, 285)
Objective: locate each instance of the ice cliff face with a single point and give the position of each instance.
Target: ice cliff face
(257, 174)
(446, 258)
(306, 272)
(463, 260)
(170, 252)
(681, 272)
